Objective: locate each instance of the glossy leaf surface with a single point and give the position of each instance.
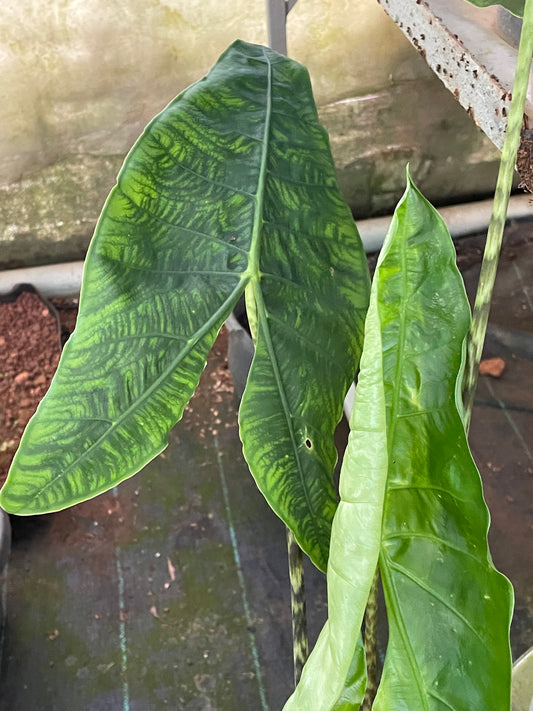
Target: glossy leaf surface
(231, 188)
(449, 610)
(514, 6)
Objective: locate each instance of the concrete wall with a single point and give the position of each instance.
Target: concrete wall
(79, 80)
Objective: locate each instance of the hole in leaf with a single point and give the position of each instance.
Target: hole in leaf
(308, 443)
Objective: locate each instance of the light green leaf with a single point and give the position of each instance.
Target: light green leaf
(514, 6)
(354, 686)
(231, 188)
(449, 610)
(333, 677)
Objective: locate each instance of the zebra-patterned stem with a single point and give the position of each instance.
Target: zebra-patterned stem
(300, 641)
(370, 638)
(476, 336)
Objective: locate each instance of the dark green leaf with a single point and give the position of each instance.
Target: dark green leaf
(308, 304)
(449, 610)
(230, 188)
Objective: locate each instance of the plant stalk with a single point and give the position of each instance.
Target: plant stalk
(300, 641)
(371, 646)
(476, 336)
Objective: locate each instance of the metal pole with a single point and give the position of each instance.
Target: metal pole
(277, 11)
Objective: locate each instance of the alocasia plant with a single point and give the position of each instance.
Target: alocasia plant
(231, 190)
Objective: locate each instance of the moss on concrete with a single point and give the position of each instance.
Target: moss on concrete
(50, 216)
(77, 94)
(374, 136)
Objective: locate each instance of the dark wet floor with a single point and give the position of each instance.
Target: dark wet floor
(172, 591)
(501, 432)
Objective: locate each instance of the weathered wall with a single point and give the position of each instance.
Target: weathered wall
(80, 78)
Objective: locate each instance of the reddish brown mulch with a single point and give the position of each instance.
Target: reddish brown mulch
(30, 344)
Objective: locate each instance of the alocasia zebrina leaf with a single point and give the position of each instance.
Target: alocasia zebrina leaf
(410, 491)
(231, 188)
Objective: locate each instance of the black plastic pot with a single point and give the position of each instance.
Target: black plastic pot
(5, 539)
(5, 548)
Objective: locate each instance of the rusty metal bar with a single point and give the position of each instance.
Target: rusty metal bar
(459, 42)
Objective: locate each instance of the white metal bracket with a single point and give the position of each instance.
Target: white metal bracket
(460, 44)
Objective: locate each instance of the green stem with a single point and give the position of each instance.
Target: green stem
(476, 336)
(300, 642)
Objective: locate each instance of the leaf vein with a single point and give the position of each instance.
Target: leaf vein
(416, 580)
(148, 392)
(435, 539)
(388, 584)
(177, 226)
(310, 344)
(204, 178)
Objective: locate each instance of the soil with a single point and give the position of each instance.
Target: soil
(32, 330)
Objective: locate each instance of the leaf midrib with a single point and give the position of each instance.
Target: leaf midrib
(262, 314)
(255, 247)
(155, 385)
